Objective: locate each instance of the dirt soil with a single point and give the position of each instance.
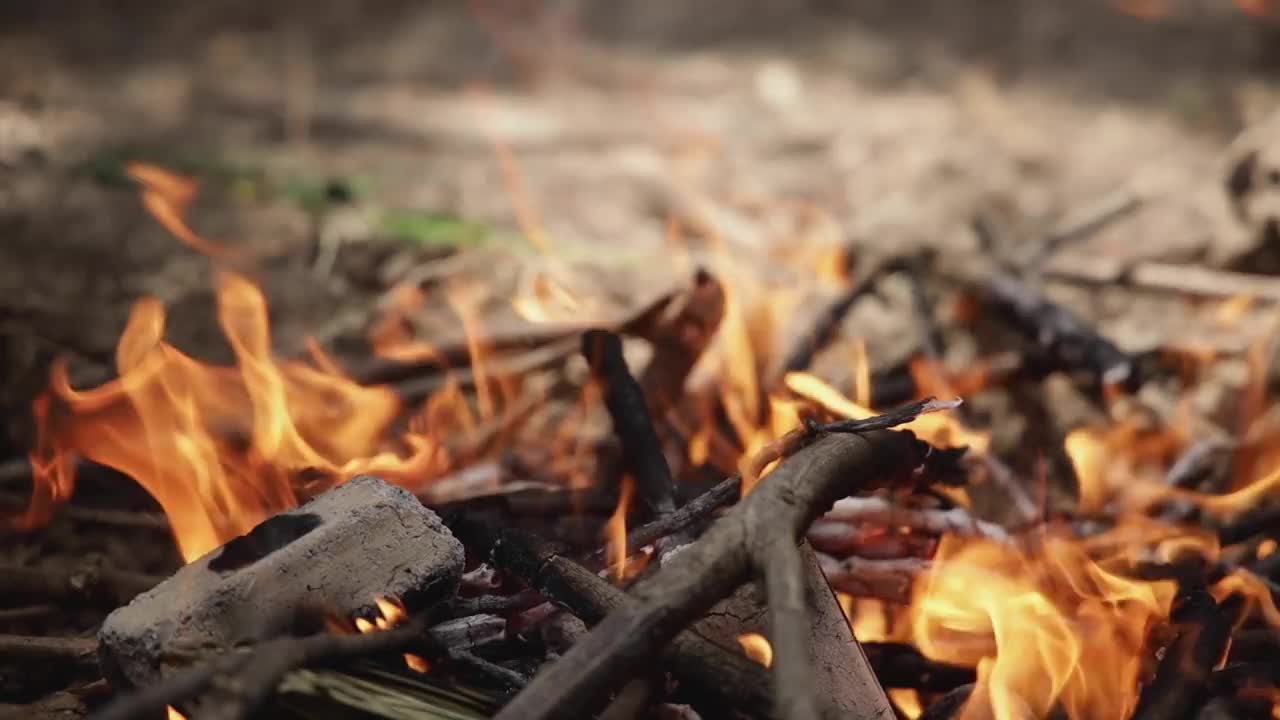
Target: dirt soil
(394, 133)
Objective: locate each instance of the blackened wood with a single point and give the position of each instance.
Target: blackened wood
(1181, 684)
(1060, 333)
(776, 512)
(1260, 521)
(948, 706)
(696, 510)
(641, 449)
(899, 665)
(1081, 224)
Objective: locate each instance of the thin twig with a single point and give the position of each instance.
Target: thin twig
(696, 510)
(879, 511)
(1178, 279)
(30, 612)
(883, 579)
(827, 324)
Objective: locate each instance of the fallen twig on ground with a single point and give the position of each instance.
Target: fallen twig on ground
(1164, 277)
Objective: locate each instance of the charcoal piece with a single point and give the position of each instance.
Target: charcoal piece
(337, 552)
(1061, 334)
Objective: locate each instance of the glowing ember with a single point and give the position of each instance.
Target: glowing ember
(173, 714)
(757, 648)
(390, 614)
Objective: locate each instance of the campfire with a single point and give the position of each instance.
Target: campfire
(281, 481)
(716, 497)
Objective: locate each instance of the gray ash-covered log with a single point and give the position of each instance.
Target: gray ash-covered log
(336, 554)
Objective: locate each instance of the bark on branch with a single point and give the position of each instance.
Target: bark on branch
(775, 515)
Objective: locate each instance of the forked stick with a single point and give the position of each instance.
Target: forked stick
(752, 537)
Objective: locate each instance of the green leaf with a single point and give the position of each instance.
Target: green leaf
(434, 229)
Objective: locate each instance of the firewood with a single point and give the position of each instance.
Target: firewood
(1058, 332)
(826, 326)
(725, 679)
(641, 450)
(80, 652)
(760, 532)
(899, 665)
(949, 706)
(1181, 684)
(680, 333)
(87, 585)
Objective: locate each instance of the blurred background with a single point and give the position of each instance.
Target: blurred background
(345, 142)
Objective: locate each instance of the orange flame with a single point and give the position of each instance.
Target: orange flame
(757, 648)
(220, 448)
(390, 614)
(616, 531)
(167, 197)
(1047, 628)
(908, 701)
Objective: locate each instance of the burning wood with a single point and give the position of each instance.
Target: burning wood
(719, 528)
(335, 552)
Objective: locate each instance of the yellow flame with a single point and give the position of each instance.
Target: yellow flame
(937, 428)
(1045, 628)
(908, 701)
(616, 531)
(222, 448)
(757, 648)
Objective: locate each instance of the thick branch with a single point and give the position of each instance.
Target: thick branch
(691, 581)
